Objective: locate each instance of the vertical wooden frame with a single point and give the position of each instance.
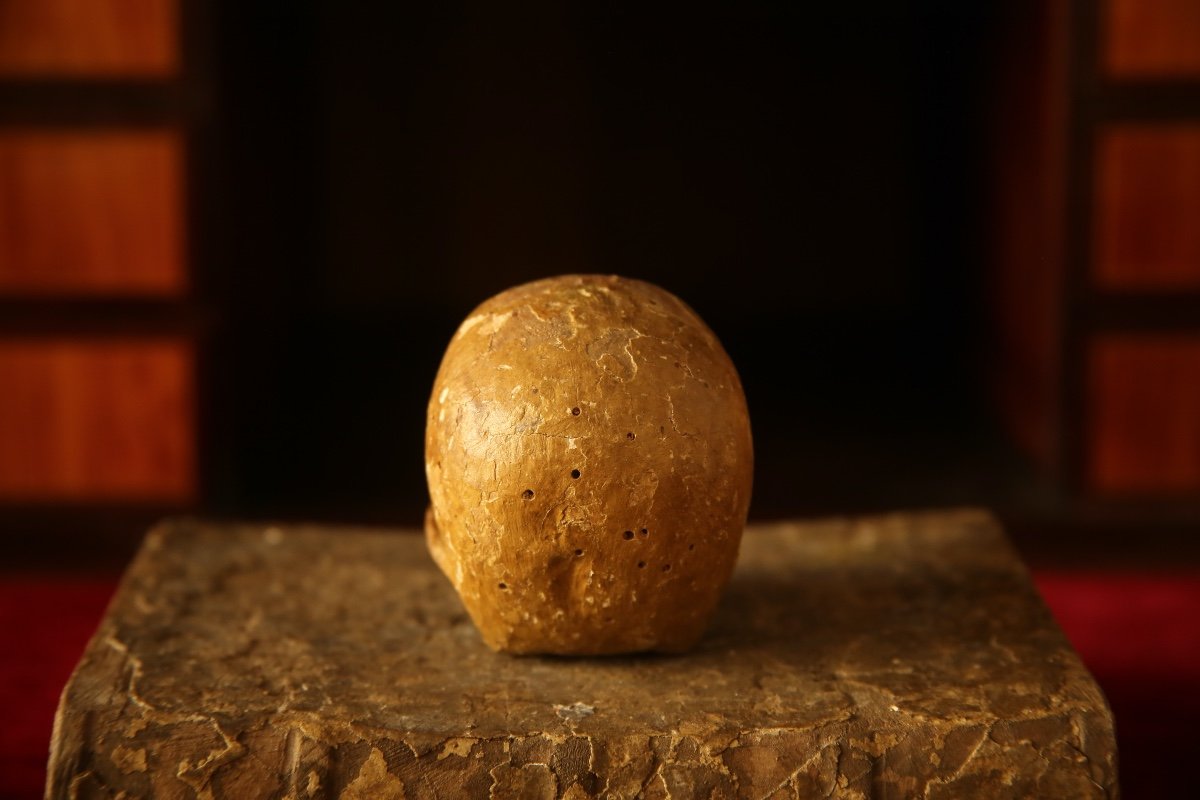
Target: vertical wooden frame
(172, 97)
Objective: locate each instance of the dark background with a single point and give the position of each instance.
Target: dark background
(812, 184)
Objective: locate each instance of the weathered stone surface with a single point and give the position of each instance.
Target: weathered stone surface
(895, 656)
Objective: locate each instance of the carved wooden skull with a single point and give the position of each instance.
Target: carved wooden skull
(589, 462)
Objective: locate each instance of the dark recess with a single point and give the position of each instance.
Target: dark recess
(811, 183)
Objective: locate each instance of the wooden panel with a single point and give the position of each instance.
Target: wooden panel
(89, 38)
(110, 420)
(1027, 214)
(91, 213)
(1152, 38)
(1147, 222)
(1144, 419)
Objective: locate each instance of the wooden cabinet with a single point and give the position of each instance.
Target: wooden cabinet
(100, 340)
(96, 213)
(97, 419)
(1146, 219)
(1151, 39)
(1143, 395)
(89, 38)
(1096, 279)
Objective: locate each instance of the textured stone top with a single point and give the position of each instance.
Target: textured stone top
(896, 656)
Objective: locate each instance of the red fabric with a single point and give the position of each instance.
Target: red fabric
(44, 626)
(1138, 626)
(1139, 634)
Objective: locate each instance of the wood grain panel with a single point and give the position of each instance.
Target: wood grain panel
(89, 38)
(108, 420)
(91, 213)
(1144, 419)
(1027, 209)
(1152, 38)
(1147, 221)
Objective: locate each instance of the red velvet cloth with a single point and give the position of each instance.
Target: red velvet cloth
(44, 624)
(1139, 633)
